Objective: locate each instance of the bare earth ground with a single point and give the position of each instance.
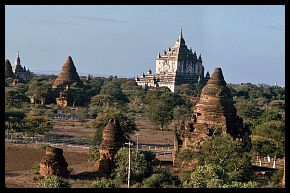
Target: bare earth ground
(20, 161)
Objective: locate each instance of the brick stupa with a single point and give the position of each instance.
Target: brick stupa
(53, 163)
(8, 70)
(68, 75)
(214, 112)
(112, 135)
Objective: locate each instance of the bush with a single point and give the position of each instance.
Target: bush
(277, 176)
(36, 168)
(186, 155)
(185, 175)
(236, 184)
(161, 180)
(104, 183)
(42, 146)
(94, 153)
(53, 182)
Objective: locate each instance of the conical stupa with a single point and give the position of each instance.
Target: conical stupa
(8, 70)
(112, 142)
(68, 75)
(215, 106)
(213, 113)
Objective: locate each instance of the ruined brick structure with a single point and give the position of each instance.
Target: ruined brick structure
(68, 75)
(214, 112)
(112, 136)
(66, 78)
(177, 65)
(53, 163)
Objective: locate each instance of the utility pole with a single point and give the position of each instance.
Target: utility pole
(129, 167)
(137, 134)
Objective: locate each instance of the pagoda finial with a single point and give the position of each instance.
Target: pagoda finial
(158, 56)
(181, 36)
(17, 53)
(199, 57)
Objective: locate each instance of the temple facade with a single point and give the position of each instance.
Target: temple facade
(177, 65)
(18, 72)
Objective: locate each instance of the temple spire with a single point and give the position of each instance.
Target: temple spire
(180, 40)
(180, 35)
(17, 59)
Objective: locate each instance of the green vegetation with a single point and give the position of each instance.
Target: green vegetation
(162, 179)
(104, 183)
(53, 182)
(138, 165)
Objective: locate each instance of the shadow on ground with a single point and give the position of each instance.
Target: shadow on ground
(85, 176)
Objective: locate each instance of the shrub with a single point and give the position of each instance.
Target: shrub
(94, 153)
(186, 155)
(53, 182)
(161, 180)
(36, 168)
(42, 146)
(185, 175)
(236, 184)
(104, 183)
(277, 176)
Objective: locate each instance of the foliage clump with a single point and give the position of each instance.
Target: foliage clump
(53, 181)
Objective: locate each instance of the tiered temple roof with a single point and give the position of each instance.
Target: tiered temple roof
(179, 51)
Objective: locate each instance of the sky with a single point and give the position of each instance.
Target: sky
(246, 41)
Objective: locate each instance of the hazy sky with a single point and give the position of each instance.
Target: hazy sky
(247, 42)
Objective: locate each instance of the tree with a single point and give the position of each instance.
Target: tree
(138, 165)
(214, 176)
(114, 90)
(126, 122)
(224, 151)
(99, 102)
(38, 89)
(161, 105)
(181, 113)
(14, 120)
(248, 109)
(206, 176)
(269, 136)
(187, 89)
(76, 96)
(35, 124)
(15, 99)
